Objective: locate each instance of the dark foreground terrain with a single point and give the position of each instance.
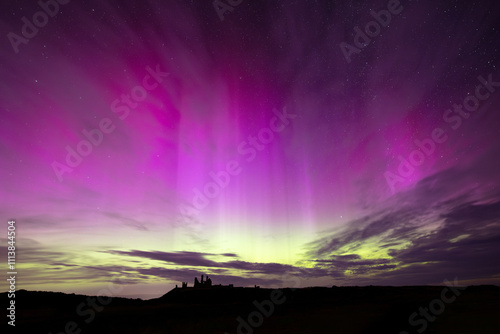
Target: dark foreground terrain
(473, 310)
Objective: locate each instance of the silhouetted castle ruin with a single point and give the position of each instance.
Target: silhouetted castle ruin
(204, 284)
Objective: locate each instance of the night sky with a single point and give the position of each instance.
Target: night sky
(277, 143)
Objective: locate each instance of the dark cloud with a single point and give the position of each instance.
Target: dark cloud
(230, 254)
(195, 259)
(430, 233)
(179, 258)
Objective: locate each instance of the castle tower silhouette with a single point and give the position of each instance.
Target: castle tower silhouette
(204, 283)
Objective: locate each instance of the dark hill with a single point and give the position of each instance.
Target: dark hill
(219, 310)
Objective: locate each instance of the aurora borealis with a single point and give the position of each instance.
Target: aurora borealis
(151, 142)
